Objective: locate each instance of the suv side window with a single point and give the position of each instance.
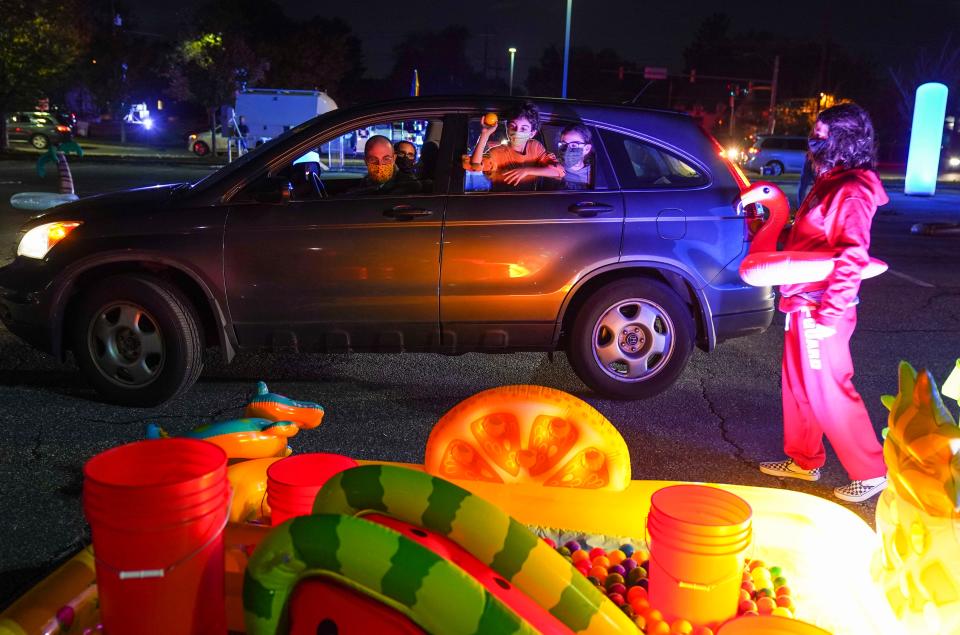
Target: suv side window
(338, 167)
(772, 144)
(640, 165)
(797, 144)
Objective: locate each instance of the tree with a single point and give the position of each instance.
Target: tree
(318, 54)
(210, 69)
(40, 41)
(441, 59)
(592, 75)
(941, 66)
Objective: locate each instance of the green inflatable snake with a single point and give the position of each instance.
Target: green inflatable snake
(433, 592)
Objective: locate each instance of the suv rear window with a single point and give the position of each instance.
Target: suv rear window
(642, 165)
(797, 144)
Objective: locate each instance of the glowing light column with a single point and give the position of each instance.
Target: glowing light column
(926, 135)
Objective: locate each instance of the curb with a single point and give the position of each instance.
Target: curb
(115, 158)
(936, 229)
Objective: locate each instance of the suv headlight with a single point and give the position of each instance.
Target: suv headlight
(41, 239)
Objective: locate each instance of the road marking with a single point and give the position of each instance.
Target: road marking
(10, 182)
(919, 283)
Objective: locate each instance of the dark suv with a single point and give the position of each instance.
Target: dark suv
(281, 249)
(39, 129)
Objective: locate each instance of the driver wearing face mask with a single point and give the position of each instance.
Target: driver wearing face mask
(383, 175)
(518, 163)
(575, 154)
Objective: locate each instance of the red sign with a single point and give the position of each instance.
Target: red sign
(654, 72)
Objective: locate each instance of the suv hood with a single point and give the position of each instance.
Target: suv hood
(143, 199)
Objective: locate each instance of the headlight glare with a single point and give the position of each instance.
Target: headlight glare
(37, 242)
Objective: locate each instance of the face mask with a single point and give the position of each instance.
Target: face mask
(519, 138)
(816, 145)
(571, 157)
(404, 163)
(380, 173)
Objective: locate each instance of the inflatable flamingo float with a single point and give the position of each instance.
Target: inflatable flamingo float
(765, 266)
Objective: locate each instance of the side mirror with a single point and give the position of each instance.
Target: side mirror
(276, 191)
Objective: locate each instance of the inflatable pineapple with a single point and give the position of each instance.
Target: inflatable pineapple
(917, 516)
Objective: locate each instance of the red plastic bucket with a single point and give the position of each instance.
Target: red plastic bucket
(698, 537)
(156, 511)
(293, 482)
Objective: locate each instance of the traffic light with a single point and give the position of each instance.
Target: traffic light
(693, 76)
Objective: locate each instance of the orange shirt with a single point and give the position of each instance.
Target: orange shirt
(501, 158)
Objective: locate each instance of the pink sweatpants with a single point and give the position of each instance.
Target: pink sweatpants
(819, 399)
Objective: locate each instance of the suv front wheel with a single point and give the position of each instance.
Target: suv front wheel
(137, 340)
(631, 339)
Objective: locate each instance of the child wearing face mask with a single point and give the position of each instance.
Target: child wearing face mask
(521, 160)
(575, 149)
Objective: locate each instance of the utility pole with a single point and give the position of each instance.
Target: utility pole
(733, 111)
(513, 52)
(566, 49)
(773, 93)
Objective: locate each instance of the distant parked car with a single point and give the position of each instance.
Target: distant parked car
(39, 129)
(200, 143)
(776, 155)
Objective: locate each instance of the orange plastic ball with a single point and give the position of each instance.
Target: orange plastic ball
(681, 627)
(653, 615)
(616, 557)
(641, 556)
(490, 119)
(747, 605)
(745, 595)
(756, 563)
(783, 590)
(601, 561)
(640, 605)
(766, 605)
(640, 621)
(579, 555)
(703, 630)
(635, 592)
(600, 573)
(785, 601)
(657, 627)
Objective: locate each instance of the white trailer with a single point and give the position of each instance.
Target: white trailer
(269, 112)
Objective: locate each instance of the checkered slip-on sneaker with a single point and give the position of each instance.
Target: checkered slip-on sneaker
(859, 491)
(789, 469)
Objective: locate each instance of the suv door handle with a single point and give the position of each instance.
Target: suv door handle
(589, 208)
(406, 212)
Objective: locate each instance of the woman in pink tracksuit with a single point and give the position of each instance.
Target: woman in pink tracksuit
(818, 394)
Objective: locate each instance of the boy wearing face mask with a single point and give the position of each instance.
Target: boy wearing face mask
(518, 162)
(575, 149)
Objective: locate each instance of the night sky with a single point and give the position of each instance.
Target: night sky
(650, 33)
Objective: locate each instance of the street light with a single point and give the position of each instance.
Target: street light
(513, 52)
(566, 49)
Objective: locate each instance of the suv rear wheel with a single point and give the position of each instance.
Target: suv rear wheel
(200, 148)
(137, 340)
(631, 339)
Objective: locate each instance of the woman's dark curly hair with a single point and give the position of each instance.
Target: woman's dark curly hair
(528, 111)
(850, 140)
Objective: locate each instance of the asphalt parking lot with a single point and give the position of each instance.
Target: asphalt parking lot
(715, 424)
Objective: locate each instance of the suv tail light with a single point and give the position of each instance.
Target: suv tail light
(63, 128)
(753, 214)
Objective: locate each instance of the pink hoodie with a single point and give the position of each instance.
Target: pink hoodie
(835, 218)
